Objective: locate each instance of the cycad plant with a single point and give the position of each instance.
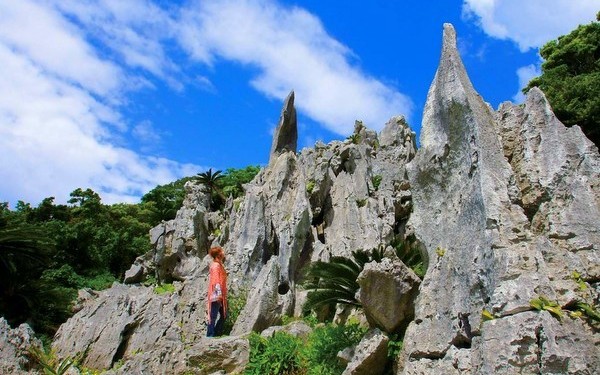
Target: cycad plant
(211, 181)
(334, 282)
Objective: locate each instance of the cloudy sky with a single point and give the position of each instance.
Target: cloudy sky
(122, 95)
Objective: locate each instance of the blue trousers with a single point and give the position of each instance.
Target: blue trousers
(215, 327)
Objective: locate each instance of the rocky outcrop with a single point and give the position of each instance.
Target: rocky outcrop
(138, 325)
(387, 293)
(14, 348)
(285, 138)
(370, 355)
(477, 215)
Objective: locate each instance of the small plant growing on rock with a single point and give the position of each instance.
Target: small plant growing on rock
(354, 138)
(310, 186)
(486, 315)
(376, 180)
(440, 251)
(50, 364)
(235, 303)
(164, 288)
(361, 202)
(543, 303)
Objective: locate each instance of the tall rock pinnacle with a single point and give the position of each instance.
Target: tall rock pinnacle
(286, 134)
(468, 214)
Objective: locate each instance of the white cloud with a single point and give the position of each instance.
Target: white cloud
(68, 67)
(530, 23)
(525, 74)
(58, 114)
(292, 50)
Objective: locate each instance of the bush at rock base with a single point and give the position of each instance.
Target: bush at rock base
(286, 354)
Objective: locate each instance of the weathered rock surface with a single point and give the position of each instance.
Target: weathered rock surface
(14, 348)
(370, 355)
(493, 232)
(286, 133)
(387, 293)
(298, 329)
(228, 354)
(137, 325)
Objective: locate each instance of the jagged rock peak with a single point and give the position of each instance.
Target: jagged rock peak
(286, 134)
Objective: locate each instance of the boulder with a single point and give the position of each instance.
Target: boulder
(387, 293)
(370, 355)
(14, 348)
(264, 306)
(297, 328)
(228, 355)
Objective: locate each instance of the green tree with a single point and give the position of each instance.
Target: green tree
(165, 200)
(570, 78)
(212, 183)
(234, 179)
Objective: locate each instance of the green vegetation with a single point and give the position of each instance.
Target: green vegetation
(230, 183)
(354, 138)
(571, 78)
(409, 253)
(275, 355)
(543, 303)
(285, 354)
(334, 282)
(310, 186)
(49, 363)
(235, 304)
(164, 289)
(376, 180)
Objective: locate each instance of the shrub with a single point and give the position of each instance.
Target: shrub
(320, 352)
(235, 303)
(164, 288)
(276, 355)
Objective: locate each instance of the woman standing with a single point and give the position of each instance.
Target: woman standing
(217, 293)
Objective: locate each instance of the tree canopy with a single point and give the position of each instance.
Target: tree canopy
(570, 78)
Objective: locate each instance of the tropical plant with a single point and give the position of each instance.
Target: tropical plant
(334, 282)
(50, 364)
(570, 78)
(211, 181)
(409, 253)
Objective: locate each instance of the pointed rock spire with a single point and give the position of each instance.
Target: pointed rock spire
(286, 134)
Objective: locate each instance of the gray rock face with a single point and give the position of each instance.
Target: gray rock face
(228, 354)
(286, 133)
(494, 232)
(370, 355)
(387, 293)
(135, 324)
(14, 348)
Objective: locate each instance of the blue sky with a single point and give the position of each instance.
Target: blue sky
(122, 95)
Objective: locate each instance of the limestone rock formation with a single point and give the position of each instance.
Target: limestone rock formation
(387, 293)
(370, 355)
(14, 348)
(496, 241)
(286, 133)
